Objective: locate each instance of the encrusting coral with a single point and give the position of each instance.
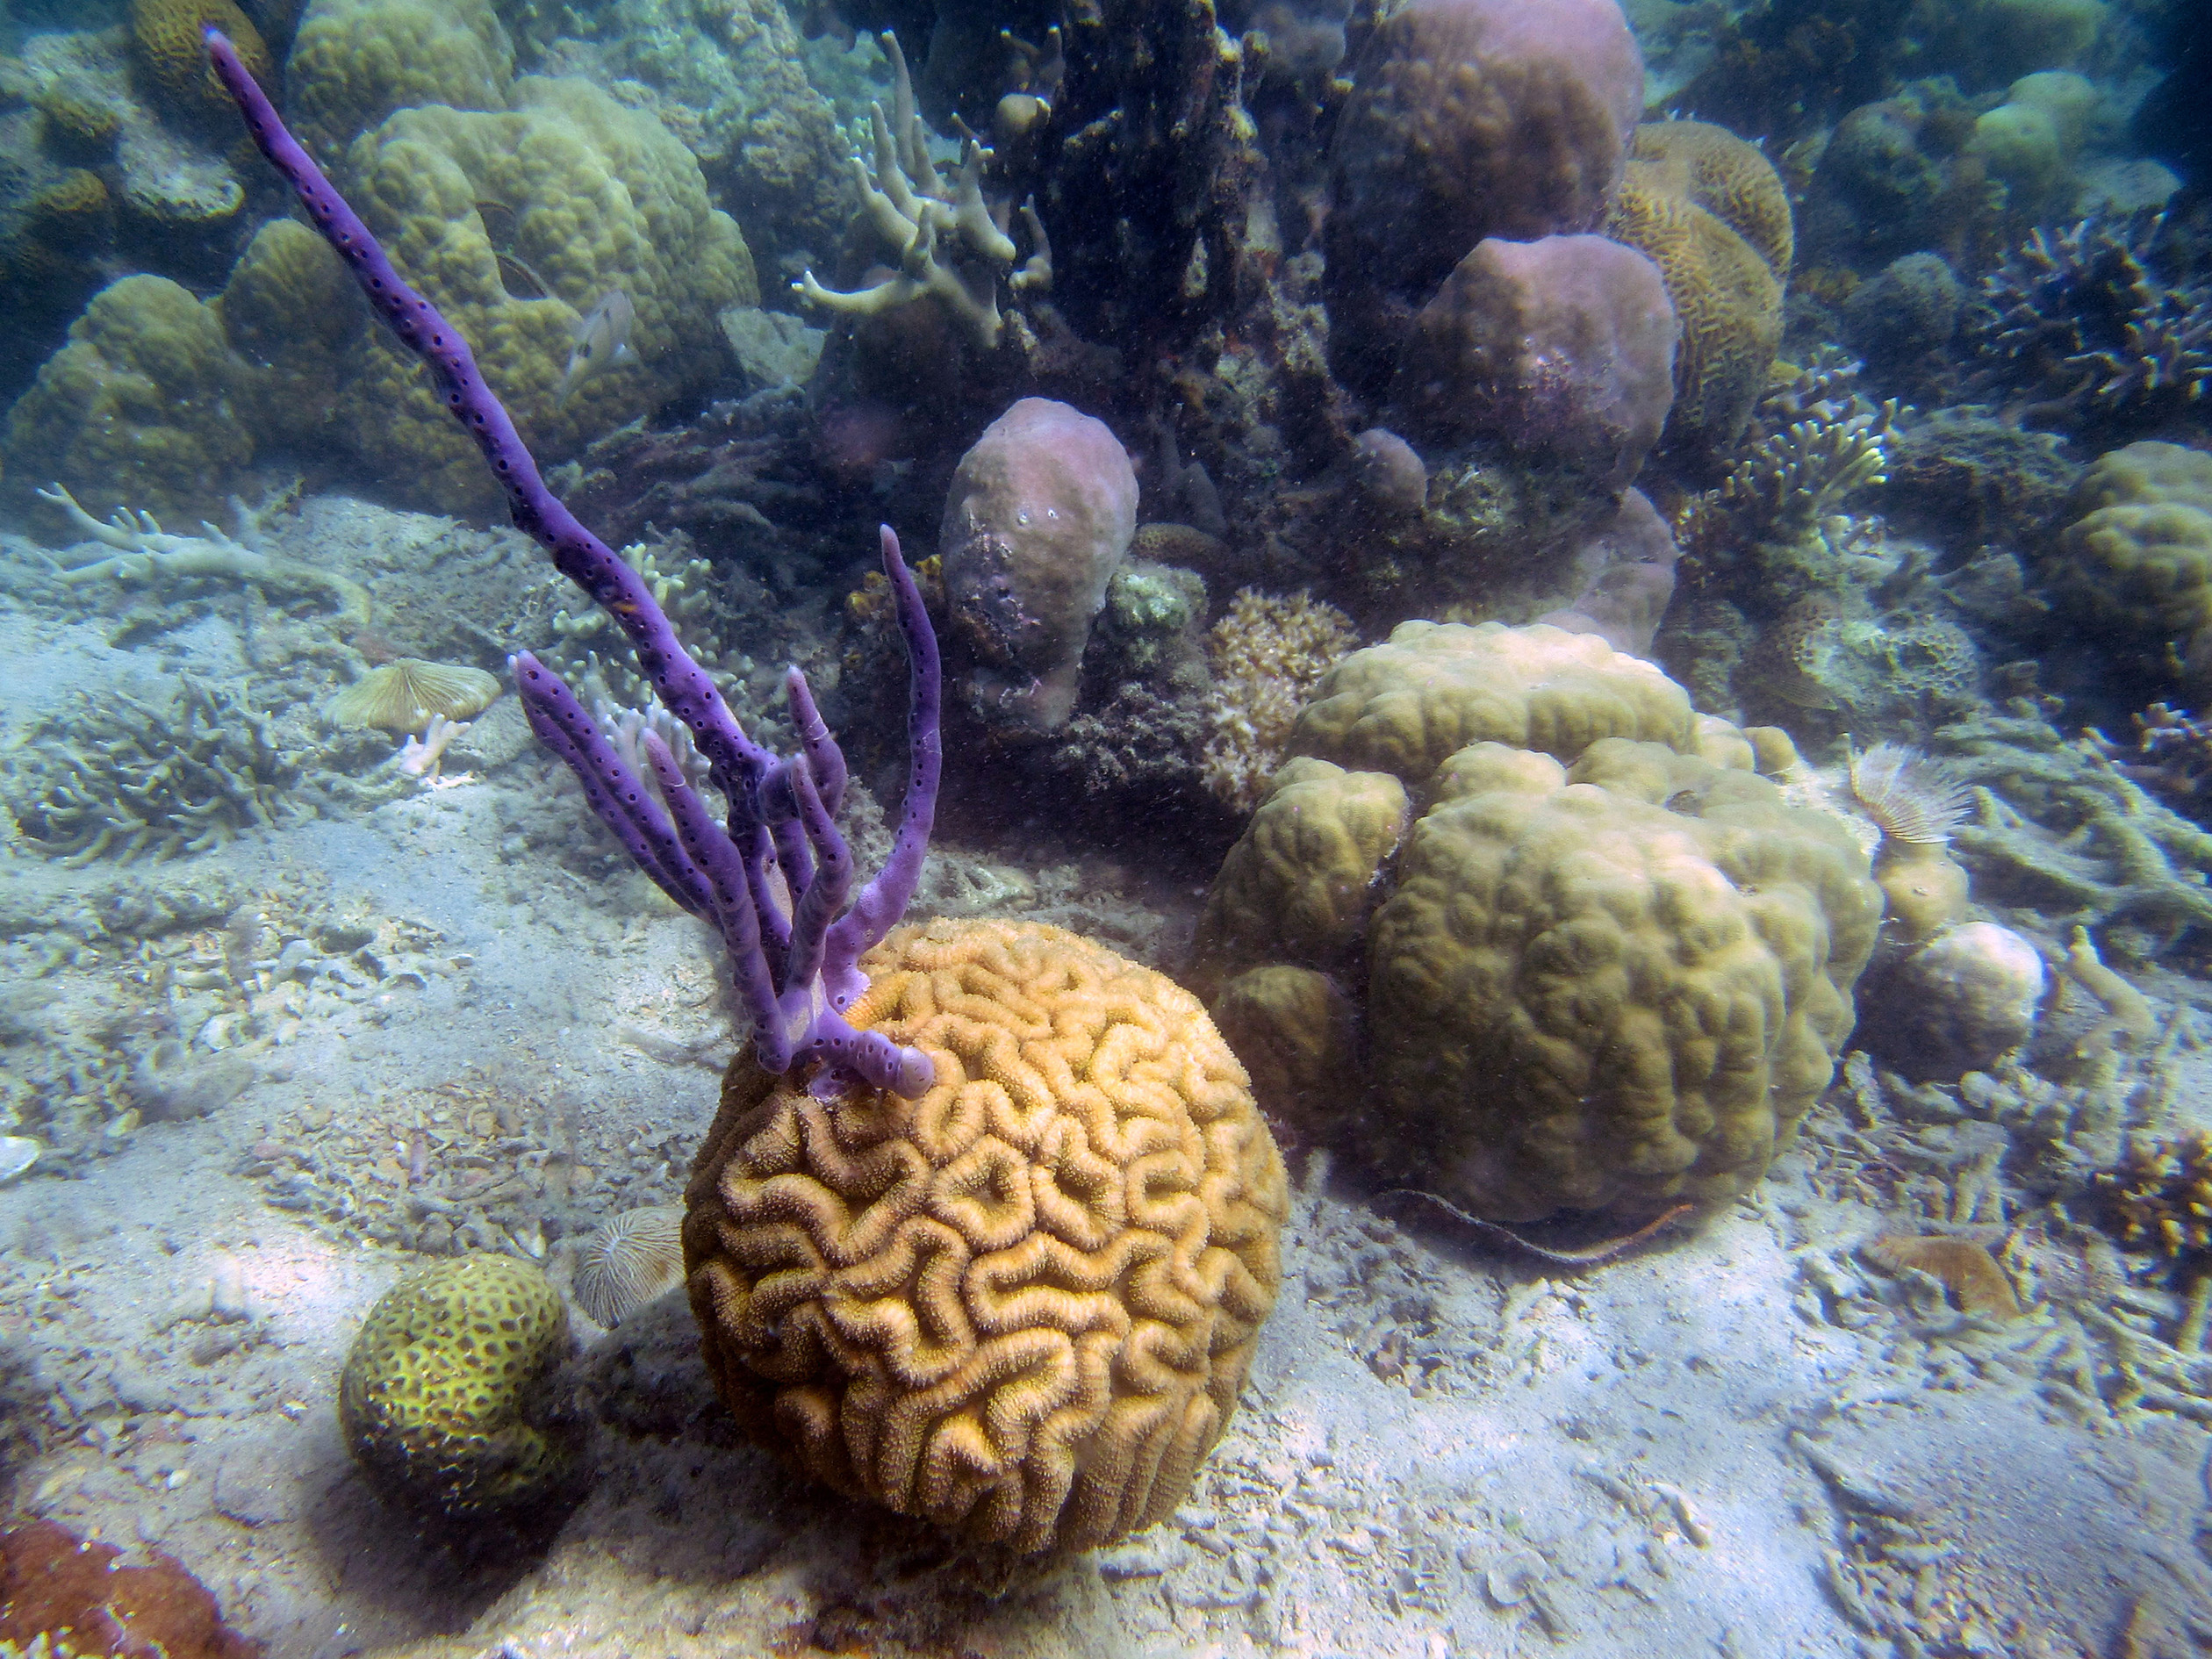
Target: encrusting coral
(1021, 1305)
(1267, 653)
(66, 1597)
(438, 1400)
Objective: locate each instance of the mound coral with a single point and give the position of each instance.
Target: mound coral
(1023, 1305)
(1039, 517)
(1563, 347)
(165, 38)
(438, 1402)
(1609, 977)
(1711, 212)
(606, 198)
(353, 62)
(2139, 555)
(1468, 118)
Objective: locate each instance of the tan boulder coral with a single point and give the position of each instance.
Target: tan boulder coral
(2139, 556)
(1435, 687)
(600, 199)
(1020, 1306)
(1606, 969)
(1615, 987)
(353, 62)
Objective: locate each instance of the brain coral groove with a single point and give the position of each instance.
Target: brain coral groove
(1020, 1306)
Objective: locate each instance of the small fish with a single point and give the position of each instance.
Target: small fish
(602, 341)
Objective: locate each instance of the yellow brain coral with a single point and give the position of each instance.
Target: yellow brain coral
(1711, 212)
(1020, 1306)
(2140, 556)
(165, 35)
(1434, 687)
(601, 198)
(1615, 987)
(436, 1399)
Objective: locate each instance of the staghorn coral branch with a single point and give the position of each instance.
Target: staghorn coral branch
(795, 974)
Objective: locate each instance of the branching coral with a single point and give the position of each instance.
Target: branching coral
(2159, 1201)
(2172, 755)
(1816, 439)
(121, 778)
(145, 552)
(944, 239)
(2099, 317)
(1267, 653)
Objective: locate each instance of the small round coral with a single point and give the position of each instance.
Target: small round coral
(439, 1396)
(1020, 1306)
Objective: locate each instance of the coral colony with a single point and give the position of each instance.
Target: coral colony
(795, 972)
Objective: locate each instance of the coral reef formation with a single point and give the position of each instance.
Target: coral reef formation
(1711, 212)
(1533, 949)
(1267, 653)
(62, 1596)
(1039, 517)
(165, 38)
(353, 62)
(1023, 1305)
(1958, 1002)
(439, 1399)
(1626, 564)
(2139, 557)
(1563, 347)
(1468, 118)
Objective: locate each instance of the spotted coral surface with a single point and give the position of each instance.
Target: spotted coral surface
(436, 1399)
(1020, 1306)
(1712, 213)
(1612, 988)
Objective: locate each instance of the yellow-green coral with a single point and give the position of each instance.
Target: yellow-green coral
(135, 409)
(291, 309)
(1435, 687)
(354, 61)
(165, 35)
(2139, 558)
(437, 1398)
(1713, 220)
(1614, 988)
(603, 198)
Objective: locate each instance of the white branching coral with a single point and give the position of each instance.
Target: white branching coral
(142, 552)
(944, 239)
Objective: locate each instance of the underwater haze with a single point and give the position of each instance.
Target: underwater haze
(1328, 828)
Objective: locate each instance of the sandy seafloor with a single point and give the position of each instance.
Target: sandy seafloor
(1746, 1443)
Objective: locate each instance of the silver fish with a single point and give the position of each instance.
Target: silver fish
(602, 341)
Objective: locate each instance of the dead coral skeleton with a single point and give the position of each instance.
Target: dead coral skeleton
(944, 239)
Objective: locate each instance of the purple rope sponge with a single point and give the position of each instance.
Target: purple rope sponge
(796, 972)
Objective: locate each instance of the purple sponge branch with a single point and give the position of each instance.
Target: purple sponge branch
(795, 973)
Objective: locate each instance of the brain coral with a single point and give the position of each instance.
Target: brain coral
(1712, 213)
(353, 62)
(165, 35)
(602, 197)
(1435, 687)
(437, 1399)
(1471, 118)
(1614, 988)
(1020, 1306)
(2139, 556)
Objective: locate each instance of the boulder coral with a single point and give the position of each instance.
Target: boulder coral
(2138, 556)
(1562, 348)
(1468, 118)
(1039, 517)
(1021, 1305)
(1606, 968)
(353, 62)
